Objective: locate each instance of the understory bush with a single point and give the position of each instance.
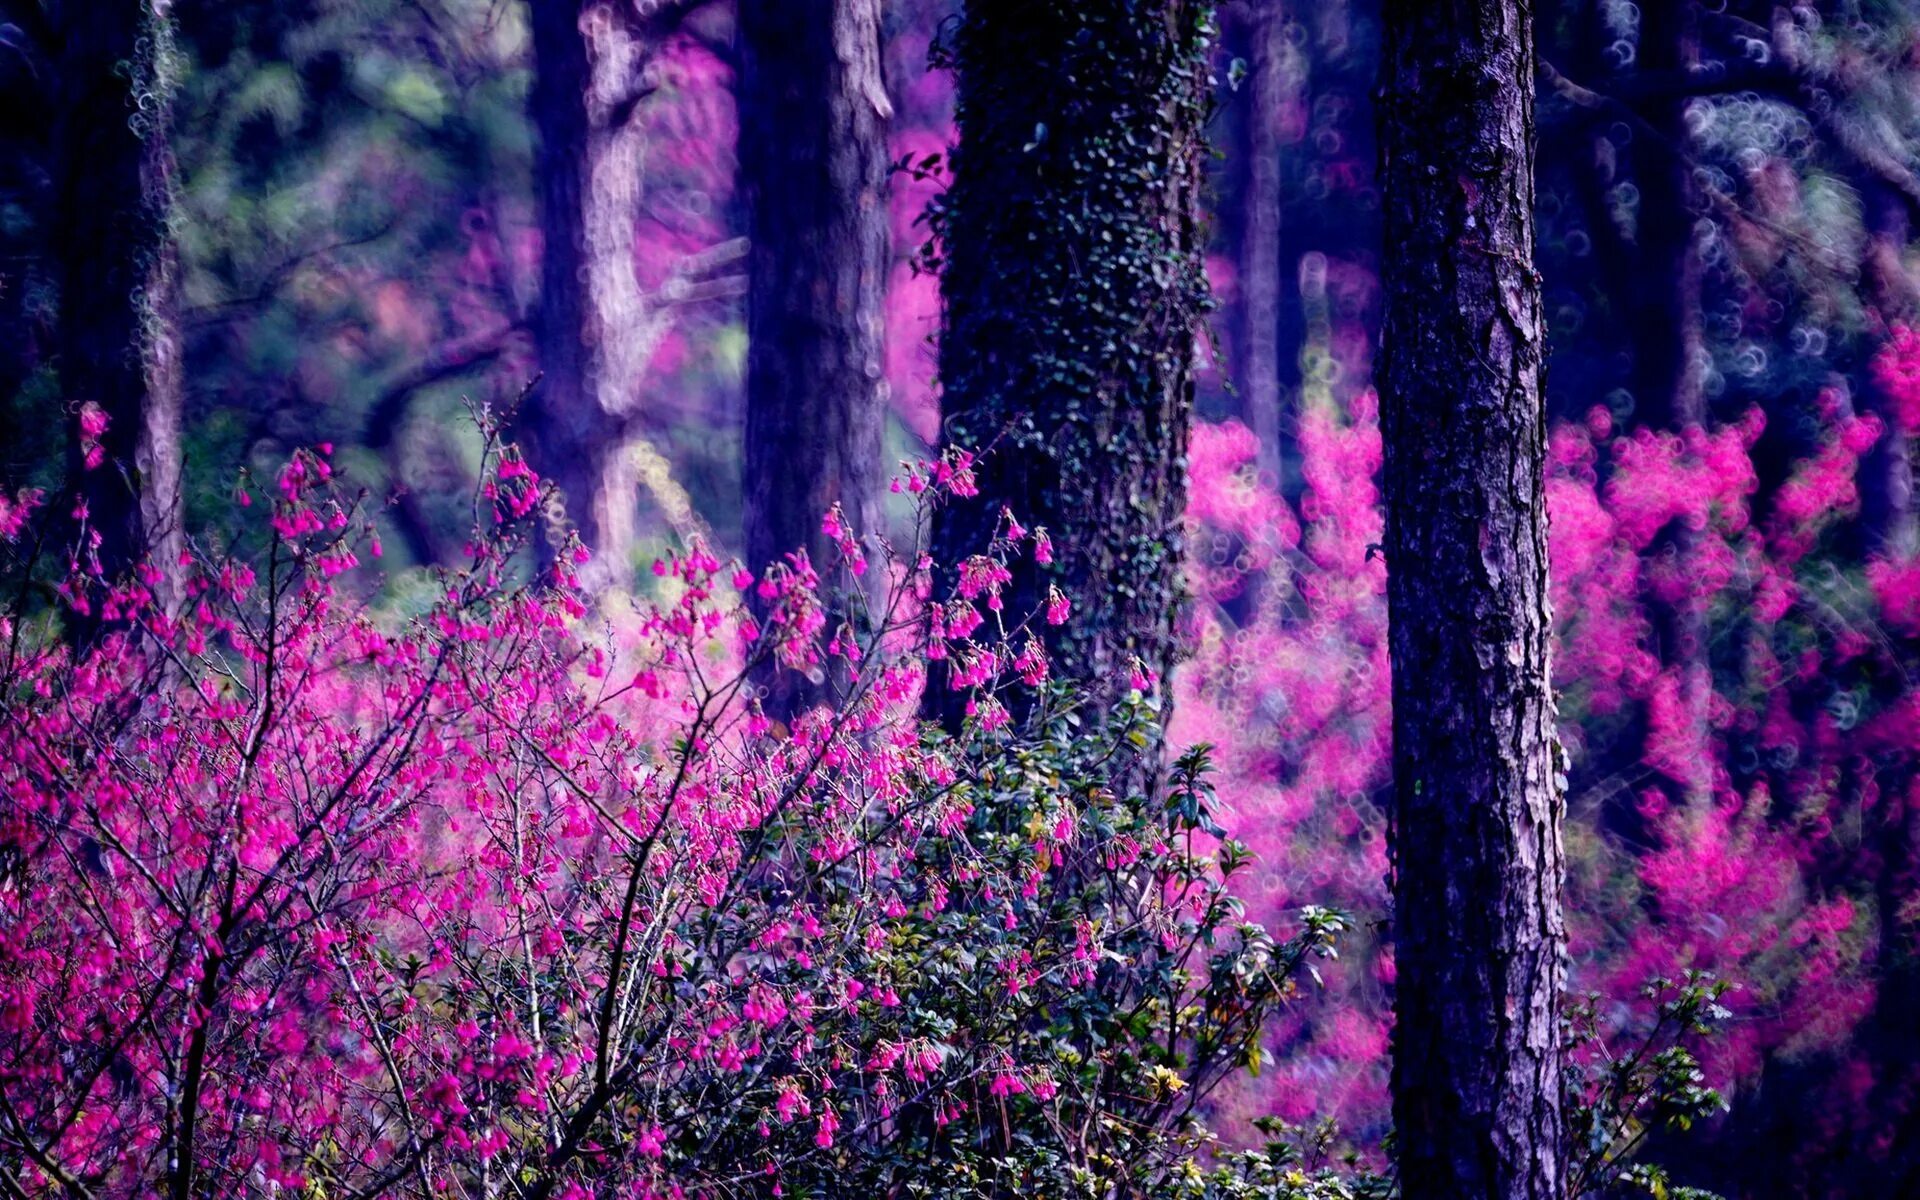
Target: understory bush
(510, 896)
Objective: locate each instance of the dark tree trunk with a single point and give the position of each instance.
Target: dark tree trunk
(1475, 837)
(1669, 327)
(1073, 285)
(562, 425)
(1669, 335)
(1892, 1037)
(813, 165)
(1887, 503)
(118, 336)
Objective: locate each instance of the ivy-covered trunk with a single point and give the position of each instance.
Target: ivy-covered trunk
(118, 335)
(1074, 283)
(1475, 834)
(813, 166)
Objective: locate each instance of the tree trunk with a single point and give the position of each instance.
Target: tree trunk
(1273, 84)
(1669, 327)
(813, 166)
(1475, 837)
(1670, 348)
(118, 335)
(1892, 528)
(596, 329)
(561, 420)
(1889, 1154)
(1073, 286)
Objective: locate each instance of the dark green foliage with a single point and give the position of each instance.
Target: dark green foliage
(1619, 1096)
(1140, 984)
(354, 178)
(1622, 1086)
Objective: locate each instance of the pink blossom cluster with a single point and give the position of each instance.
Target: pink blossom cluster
(1896, 372)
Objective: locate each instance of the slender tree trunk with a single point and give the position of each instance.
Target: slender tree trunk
(1887, 501)
(596, 330)
(1272, 87)
(562, 418)
(1073, 285)
(1475, 837)
(813, 165)
(1670, 346)
(118, 335)
(1670, 328)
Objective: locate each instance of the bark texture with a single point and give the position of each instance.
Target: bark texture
(1475, 837)
(813, 166)
(1073, 286)
(597, 329)
(118, 334)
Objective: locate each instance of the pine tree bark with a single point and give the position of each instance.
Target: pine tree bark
(813, 166)
(1475, 836)
(118, 331)
(1073, 286)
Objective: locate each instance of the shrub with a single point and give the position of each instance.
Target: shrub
(501, 899)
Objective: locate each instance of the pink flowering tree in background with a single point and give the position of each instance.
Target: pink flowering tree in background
(1794, 875)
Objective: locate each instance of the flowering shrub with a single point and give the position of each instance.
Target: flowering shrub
(294, 896)
(1896, 371)
(299, 900)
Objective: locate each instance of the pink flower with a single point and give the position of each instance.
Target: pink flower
(1015, 531)
(652, 1141)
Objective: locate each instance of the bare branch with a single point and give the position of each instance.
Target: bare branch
(277, 278)
(450, 359)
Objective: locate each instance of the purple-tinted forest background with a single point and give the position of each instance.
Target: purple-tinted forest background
(1725, 201)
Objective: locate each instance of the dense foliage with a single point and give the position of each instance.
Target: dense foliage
(297, 898)
(1804, 720)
